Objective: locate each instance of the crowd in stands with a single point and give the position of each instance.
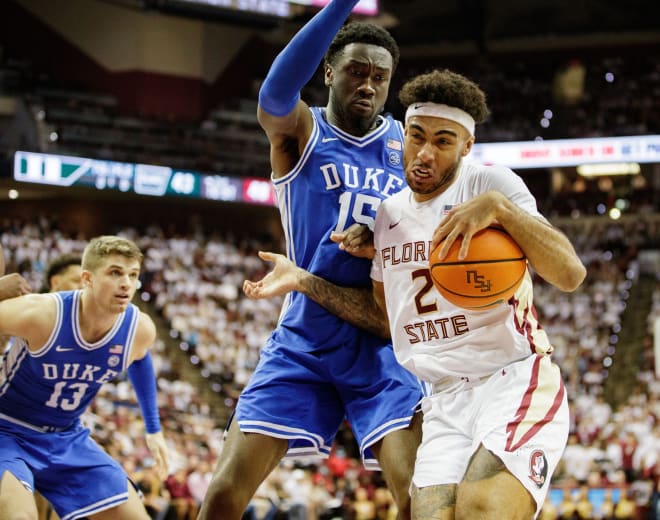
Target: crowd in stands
(194, 281)
(611, 96)
(531, 97)
(611, 467)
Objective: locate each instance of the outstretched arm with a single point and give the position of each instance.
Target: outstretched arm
(355, 305)
(285, 118)
(31, 317)
(298, 62)
(143, 378)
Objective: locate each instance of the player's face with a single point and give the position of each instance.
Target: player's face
(359, 82)
(114, 282)
(67, 280)
(432, 152)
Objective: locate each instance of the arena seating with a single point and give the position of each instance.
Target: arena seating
(199, 294)
(194, 283)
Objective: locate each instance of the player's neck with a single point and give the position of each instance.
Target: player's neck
(354, 126)
(94, 322)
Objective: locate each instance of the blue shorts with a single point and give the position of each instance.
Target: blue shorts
(75, 475)
(305, 396)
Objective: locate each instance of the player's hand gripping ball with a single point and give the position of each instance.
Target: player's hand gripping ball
(489, 275)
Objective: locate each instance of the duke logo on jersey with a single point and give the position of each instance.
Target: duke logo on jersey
(349, 176)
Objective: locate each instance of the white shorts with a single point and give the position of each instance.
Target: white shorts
(520, 414)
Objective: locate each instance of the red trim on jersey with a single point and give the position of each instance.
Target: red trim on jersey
(524, 326)
(524, 407)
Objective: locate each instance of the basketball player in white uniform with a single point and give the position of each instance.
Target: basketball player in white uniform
(496, 422)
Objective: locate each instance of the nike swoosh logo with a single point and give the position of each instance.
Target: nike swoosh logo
(394, 224)
(59, 348)
(328, 139)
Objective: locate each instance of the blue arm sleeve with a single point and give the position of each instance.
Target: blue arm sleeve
(298, 61)
(142, 376)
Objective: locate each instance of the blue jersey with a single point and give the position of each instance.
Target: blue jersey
(340, 180)
(53, 386)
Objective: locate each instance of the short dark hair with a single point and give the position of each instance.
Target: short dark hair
(446, 88)
(362, 32)
(58, 265)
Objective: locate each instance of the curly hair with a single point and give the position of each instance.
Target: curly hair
(362, 32)
(447, 88)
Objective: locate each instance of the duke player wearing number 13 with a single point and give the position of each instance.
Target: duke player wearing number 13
(496, 423)
(331, 168)
(68, 345)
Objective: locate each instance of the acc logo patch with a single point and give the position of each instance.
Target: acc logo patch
(113, 361)
(538, 468)
(395, 158)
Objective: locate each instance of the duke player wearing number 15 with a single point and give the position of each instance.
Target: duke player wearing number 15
(331, 168)
(68, 344)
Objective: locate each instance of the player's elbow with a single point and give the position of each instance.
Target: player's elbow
(572, 277)
(375, 322)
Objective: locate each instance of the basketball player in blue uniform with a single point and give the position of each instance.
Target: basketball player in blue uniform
(68, 344)
(331, 168)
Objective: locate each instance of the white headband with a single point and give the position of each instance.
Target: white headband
(444, 111)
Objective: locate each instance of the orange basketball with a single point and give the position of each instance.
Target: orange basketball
(490, 273)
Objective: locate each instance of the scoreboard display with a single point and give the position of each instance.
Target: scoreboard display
(142, 179)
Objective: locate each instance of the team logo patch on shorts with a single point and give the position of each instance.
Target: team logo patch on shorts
(538, 468)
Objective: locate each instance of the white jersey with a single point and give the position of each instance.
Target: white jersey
(437, 341)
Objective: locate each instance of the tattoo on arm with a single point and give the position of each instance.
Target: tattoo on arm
(355, 305)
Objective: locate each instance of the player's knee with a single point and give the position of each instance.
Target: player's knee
(399, 485)
(472, 507)
(475, 500)
(224, 496)
(398, 477)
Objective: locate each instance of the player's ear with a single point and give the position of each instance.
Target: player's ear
(468, 145)
(85, 278)
(327, 74)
